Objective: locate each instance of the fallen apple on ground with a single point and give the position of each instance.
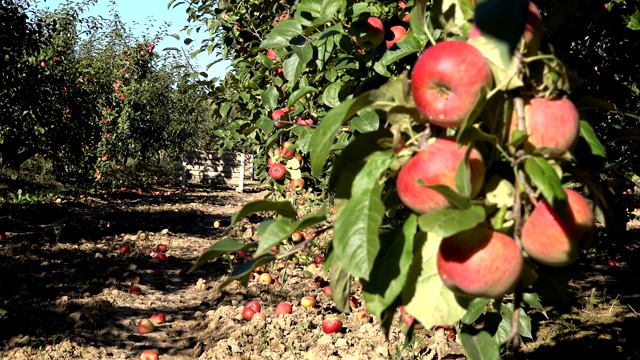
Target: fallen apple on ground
(254, 305)
(283, 308)
(149, 355)
(145, 326)
(158, 318)
(124, 248)
(135, 290)
(308, 302)
(247, 313)
(161, 248)
(331, 325)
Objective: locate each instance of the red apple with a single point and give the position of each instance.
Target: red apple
(327, 290)
(353, 302)
(151, 47)
(308, 302)
(183, 273)
(145, 326)
(300, 159)
(247, 313)
(369, 34)
(305, 122)
(286, 151)
(553, 123)
(277, 114)
(296, 236)
(612, 263)
(271, 54)
(410, 319)
(254, 305)
(399, 32)
(158, 318)
(480, 263)
(447, 81)
(436, 164)
(135, 290)
(161, 248)
(259, 317)
(124, 248)
(149, 355)
(277, 171)
(363, 316)
(557, 239)
(283, 308)
(296, 184)
(161, 257)
(331, 325)
(318, 260)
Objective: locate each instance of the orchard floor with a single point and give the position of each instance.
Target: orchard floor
(64, 286)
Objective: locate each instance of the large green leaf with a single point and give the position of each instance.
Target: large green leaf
(283, 228)
(368, 121)
(296, 95)
(429, 300)
(243, 270)
(390, 268)
(292, 68)
(480, 346)
(447, 222)
(331, 94)
(282, 33)
(270, 97)
(283, 208)
(355, 238)
(544, 177)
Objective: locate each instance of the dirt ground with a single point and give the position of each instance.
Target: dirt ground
(65, 288)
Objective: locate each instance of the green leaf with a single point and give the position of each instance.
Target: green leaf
(331, 94)
(340, 287)
(292, 68)
(368, 121)
(355, 238)
(282, 229)
(296, 95)
(282, 33)
(633, 21)
(463, 175)
(587, 132)
(480, 346)
(270, 98)
(391, 267)
(447, 222)
(409, 45)
(244, 269)
(283, 208)
(455, 199)
(474, 310)
(544, 177)
(313, 7)
(428, 299)
(221, 247)
(533, 300)
(330, 8)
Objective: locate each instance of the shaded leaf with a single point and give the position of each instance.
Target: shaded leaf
(221, 247)
(480, 346)
(283, 208)
(544, 177)
(447, 222)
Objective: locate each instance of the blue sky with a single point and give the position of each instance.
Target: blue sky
(137, 14)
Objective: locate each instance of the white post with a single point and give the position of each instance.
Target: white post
(184, 169)
(241, 180)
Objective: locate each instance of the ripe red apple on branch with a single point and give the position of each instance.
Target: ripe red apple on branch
(297, 184)
(277, 171)
(436, 164)
(287, 151)
(368, 34)
(480, 263)
(399, 32)
(556, 239)
(553, 123)
(447, 81)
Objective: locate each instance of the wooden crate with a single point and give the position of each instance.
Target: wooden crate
(209, 168)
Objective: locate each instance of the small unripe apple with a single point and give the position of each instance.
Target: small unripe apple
(447, 81)
(149, 355)
(331, 325)
(254, 305)
(436, 164)
(158, 318)
(259, 317)
(265, 278)
(145, 326)
(308, 302)
(283, 308)
(277, 171)
(296, 236)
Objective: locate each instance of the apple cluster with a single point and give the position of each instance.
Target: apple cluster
(449, 82)
(285, 160)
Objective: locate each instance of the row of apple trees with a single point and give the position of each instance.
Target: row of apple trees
(336, 83)
(87, 97)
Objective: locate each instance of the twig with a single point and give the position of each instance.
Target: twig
(303, 244)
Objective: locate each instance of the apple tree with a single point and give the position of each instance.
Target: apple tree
(455, 156)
